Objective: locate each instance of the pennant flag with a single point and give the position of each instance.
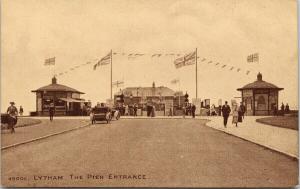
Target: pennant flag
(49, 61)
(203, 59)
(114, 53)
(231, 68)
(118, 83)
(209, 62)
(238, 69)
(253, 57)
(104, 61)
(159, 55)
(130, 54)
(224, 66)
(217, 63)
(248, 72)
(188, 59)
(153, 55)
(174, 81)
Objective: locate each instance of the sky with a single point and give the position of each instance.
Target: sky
(78, 31)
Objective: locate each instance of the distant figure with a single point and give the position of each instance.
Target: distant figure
(213, 110)
(170, 112)
(282, 109)
(235, 115)
(193, 109)
(92, 116)
(219, 110)
(21, 111)
(225, 111)
(242, 109)
(183, 111)
(153, 111)
(12, 112)
(135, 110)
(275, 111)
(287, 108)
(126, 110)
(51, 111)
(240, 113)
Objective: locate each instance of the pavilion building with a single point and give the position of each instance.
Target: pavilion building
(260, 97)
(66, 100)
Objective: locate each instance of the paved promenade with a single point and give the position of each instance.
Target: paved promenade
(45, 128)
(279, 139)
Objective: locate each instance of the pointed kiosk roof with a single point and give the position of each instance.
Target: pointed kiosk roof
(260, 84)
(57, 87)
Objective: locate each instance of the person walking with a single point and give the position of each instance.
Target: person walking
(183, 111)
(92, 118)
(282, 109)
(242, 109)
(235, 115)
(12, 112)
(193, 108)
(225, 112)
(153, 111)
(126, 110)
(287, 108)
(21, 111)
(240, 113)
(134, 110)
(51, 111)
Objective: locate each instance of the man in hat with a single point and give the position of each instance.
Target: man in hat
(12, 111)
(51, 111)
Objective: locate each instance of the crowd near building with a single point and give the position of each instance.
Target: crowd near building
(163, 100)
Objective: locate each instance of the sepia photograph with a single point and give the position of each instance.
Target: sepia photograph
(149, 93)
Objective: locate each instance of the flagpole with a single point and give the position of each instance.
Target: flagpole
(196, 76)
(111, 74)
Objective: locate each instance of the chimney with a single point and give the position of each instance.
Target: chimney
(54, 80)
(259, 76)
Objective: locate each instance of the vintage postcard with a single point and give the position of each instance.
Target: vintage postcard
(136, 93)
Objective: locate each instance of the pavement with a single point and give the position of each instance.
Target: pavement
(152, 153)
(39, 131)
(279, 139)
(282, 140)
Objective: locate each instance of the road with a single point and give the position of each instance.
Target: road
(153, 152)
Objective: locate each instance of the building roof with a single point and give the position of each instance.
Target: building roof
(149, 91)
(57, 87)
(260, 84)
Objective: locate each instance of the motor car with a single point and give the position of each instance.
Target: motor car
(102, 114)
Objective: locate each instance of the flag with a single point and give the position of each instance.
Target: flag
(179, 62)
(174, 81)
(238, 69)
(49, 61)
(188, 59)
(104, 61)
(231, 68)
(224, 66)
(203, 59)
(253, 57)
(209, 62)
(217, 63)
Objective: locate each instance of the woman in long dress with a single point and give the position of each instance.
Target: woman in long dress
(235, 115)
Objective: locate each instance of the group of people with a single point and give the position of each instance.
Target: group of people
(238, 113)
